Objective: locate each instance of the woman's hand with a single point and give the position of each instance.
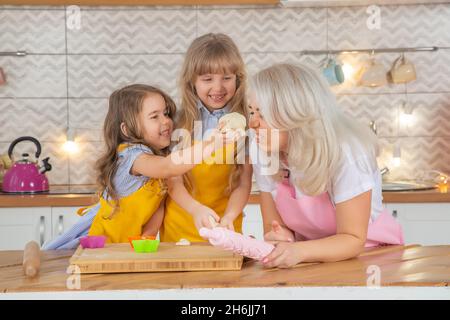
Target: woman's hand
(285, 255)
(279, 233)
(201, 217)
(227, 222)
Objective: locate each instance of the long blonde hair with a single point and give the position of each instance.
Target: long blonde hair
(297, 98)
(211, 53)
(124, 107)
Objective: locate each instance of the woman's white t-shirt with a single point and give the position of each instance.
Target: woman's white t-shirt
(356, 175)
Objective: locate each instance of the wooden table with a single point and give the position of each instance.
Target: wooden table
(410, 266)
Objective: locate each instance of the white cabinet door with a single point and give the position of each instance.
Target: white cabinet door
(62, 219)
(21, 225)
(252, 224)
(423, 223)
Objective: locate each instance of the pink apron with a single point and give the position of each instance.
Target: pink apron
(315, 218)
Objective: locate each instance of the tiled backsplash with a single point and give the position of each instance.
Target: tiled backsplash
(69, 74)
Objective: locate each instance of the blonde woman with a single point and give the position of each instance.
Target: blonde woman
(325, 203)
(212, 84)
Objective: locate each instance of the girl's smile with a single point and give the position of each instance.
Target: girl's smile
(155, 121)
(166, 133)
(217, 98)
(215, 90)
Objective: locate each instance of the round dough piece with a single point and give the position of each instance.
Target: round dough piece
(183, 242)
(233, 121)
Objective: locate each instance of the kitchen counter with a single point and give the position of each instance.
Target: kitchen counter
(58, 196)
(84, 195)
(405, 271)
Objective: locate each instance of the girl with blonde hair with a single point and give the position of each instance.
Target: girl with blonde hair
(212, 84)
(325, 203)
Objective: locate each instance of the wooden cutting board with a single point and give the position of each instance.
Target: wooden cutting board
(120, 257)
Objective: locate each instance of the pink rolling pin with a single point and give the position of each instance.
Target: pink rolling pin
(236, 242)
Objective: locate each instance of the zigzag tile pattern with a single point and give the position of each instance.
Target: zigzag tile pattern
(400, 26)
(261, 30)
(382, 109)
(16, 116)
(432, 70)
(133, 31)
(82, 169)
(41, 76)
(36, 31)
(86, 117)
(97, 76)
(430, 116)
(257, 61)
(418, 155)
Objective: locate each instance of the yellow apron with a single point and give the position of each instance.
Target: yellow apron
(210, 180)
(133, 212)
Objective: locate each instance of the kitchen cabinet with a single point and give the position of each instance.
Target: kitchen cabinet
(62, 219)
(20, 225)
(41, 224)
(423, 223)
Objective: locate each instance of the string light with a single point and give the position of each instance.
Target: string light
(406, 116)
(70, 146)
(443, 183)
(348, 70)
(396, 156)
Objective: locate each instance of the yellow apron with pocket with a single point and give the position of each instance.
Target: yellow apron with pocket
(210, 180)
(133, 213)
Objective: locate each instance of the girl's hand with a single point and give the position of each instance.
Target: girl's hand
(285, 255)
(201, 217)
(279, 233)
(227, 222)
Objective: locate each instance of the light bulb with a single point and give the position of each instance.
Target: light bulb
(396, 156)
(406, 117)
(348, 70)
(397, 161)
(70, 146)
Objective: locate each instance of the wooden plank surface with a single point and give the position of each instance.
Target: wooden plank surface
(120, 257)
(47, 200)
(399, 266)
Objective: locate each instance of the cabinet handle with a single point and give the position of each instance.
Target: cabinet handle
(394, 213)
(60, 224)
(42, 230)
